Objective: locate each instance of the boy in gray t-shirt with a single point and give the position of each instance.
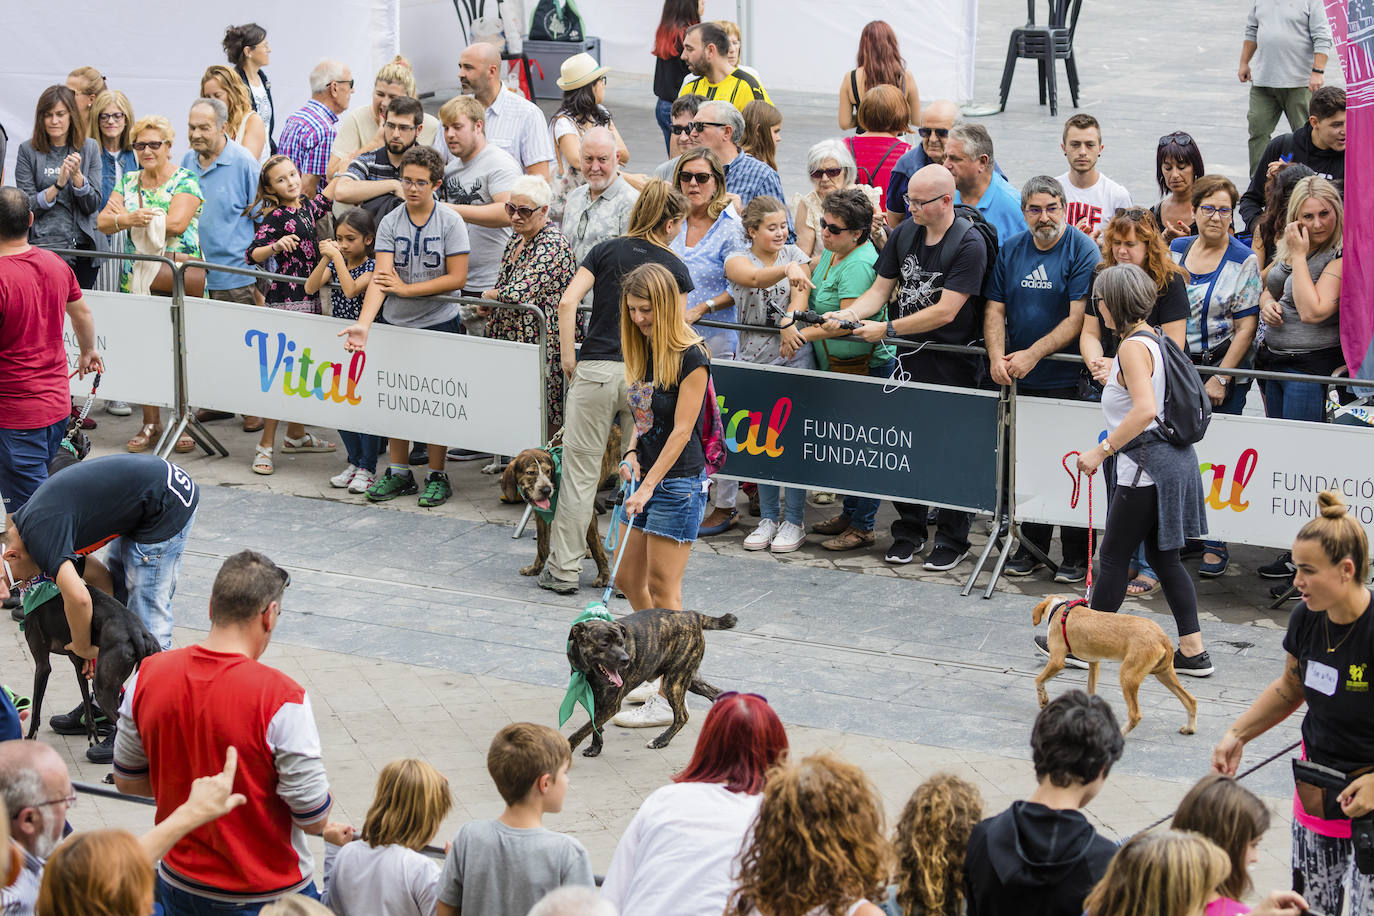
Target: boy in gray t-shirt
(421, 252)
(503, 867)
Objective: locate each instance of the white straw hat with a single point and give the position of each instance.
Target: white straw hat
(580, 70)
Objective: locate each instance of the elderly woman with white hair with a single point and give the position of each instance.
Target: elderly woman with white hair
(536, 267)
(831, 168)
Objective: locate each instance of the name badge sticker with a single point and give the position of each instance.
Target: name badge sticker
(1321, 678)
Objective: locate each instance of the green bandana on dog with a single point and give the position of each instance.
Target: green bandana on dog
(36, 595)
(546, 513)
(579, 688)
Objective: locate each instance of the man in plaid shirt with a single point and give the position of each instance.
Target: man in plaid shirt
(308, 135)
(720, 126)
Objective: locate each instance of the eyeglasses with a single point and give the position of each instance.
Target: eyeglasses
(1135, 214)
(392, 125)
(1051, 210)
(348, 83)
(1177, 137)
(696, 177)
(112, 117)
(153, 145)
(418, 183)
(69, 800)
(925, 132)
(699, 126)
(835, 228)
(826, 173)
(680, 129)
(522, 212)
(912, 204)
(1210, 212)
(731, 694)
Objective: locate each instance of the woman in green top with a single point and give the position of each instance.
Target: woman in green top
(844, 272)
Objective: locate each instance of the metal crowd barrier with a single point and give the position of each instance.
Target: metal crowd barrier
(1006, 533)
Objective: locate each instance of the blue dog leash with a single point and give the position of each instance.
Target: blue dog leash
(612, 539)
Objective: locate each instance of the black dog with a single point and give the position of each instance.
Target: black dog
(123, 641)
(618, 656)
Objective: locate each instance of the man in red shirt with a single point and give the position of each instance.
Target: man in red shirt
(184, 708)
(36, 289)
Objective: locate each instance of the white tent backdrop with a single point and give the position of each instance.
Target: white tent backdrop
(805, 45)
(156, 51)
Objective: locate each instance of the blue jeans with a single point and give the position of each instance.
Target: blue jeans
(862, 511)
(176, 902)
(795, 503)
(362, 449)
(149, 572)
(24, 458)
(674, 510)
(663, 114)
(1294, 400)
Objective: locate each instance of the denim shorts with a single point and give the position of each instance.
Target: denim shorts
(674, 510)
(24, 458)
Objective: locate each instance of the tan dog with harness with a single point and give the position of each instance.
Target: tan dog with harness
(1094, 636)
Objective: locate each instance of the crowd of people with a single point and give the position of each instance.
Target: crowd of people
(381, 213)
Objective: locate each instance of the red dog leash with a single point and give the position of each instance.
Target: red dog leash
(1077, 477)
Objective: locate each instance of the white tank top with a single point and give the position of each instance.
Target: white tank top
(1116, 403)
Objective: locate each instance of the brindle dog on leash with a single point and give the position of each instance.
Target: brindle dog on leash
(617, 656)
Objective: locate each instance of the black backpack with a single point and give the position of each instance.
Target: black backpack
(1187, 409)
(969, 219)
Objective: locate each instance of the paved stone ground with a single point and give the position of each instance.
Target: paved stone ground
(415, 636)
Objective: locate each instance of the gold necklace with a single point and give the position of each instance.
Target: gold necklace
(1326, 630)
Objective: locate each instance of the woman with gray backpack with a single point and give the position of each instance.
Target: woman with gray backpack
(1155, 409)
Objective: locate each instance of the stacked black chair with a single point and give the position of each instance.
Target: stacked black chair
(1045, 44)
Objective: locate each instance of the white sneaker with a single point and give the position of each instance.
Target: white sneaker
(361, 481)
(655, 713)
(118, 408)
(789, 538)
(344, 477)
(640, 694)
(762, 536)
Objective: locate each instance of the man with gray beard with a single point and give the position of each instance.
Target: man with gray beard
(37, 791)
(600, 209)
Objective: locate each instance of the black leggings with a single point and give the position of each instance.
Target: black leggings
(1132, 517)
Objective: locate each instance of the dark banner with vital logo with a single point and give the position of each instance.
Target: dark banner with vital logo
(852, 434)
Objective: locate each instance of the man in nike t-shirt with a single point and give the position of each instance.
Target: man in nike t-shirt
(1036, 297)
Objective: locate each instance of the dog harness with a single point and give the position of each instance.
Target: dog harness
(1063, 610)
(579, 688)
(555, 455)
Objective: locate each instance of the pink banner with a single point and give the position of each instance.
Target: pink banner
(1352, 30)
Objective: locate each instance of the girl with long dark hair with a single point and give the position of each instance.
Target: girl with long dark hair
(247, 49)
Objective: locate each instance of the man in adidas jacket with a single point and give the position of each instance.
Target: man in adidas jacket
(1036, 297)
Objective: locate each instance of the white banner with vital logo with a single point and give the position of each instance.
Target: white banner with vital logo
(1261, 477)
(133, 335)
(424, 386)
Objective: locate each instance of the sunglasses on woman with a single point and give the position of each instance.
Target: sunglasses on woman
(835, 228)
(826, 173)
(1178, 137)
(522, 212)
(697, 177)
(149, 144)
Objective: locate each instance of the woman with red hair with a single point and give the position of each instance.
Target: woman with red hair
(669, 69)
(677, 855)
(880, 63)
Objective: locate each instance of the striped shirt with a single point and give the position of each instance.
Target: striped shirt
(517, 127)
(307, 137)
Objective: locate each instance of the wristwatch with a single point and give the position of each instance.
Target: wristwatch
(891, 331)
(1107, 447)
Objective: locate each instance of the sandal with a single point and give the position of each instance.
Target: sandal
(262, 464)
(145, 439)
(1142, 587)
(823, 499)
(184, 444)
(307, 443)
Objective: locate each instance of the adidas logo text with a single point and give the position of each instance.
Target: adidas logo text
(1037, 279)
